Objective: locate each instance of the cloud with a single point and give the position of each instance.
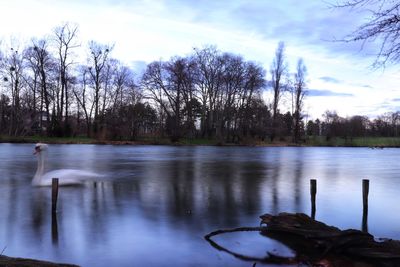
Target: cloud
(396, 99)
(329, 79)
(366, 86)
(362, 85)
(311, 22)
(317, 92)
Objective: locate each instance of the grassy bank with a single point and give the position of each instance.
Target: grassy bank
(50, 140)
(310, 141)
(86, 140)
(354, 142)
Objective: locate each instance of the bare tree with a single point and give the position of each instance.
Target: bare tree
(12, 68)
(167, 83)
(191, 109)
(122, 82)
(299, 93)
(65, 39)
(33, 76)
(231, 95)
(83, 96)
(383, 27)
(253, 83)
(121, 118)
(208, 80)
(41, 59)
(4, 112)
(278, 71)
(107, 92)
(98, 59)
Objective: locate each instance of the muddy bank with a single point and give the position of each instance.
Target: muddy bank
(20, 262)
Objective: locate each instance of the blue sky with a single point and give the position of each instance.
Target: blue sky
(339, 74)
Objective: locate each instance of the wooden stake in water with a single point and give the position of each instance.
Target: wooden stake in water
(313, 192)
(54, 194)
(54, 228)
(365, 191)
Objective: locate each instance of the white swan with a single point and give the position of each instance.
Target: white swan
(65, 176)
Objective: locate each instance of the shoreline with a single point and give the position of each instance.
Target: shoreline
(369, 142)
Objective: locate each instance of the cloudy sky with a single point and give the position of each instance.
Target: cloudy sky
(339, 74)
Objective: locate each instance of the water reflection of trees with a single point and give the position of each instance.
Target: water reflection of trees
(202, 189)
(165, 193)
(194, 190)
(298, 179)
(190, 187)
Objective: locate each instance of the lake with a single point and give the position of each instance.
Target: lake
(156, 203)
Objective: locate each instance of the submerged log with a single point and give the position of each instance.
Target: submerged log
(317, 244)
(317, 241)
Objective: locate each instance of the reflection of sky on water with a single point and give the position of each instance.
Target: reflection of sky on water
(157, 202)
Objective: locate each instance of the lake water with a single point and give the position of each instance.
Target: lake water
(156, 203)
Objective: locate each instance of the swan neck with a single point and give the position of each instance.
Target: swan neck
(40, 168)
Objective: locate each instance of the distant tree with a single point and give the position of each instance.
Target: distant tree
(83, 96)
(383, 27)
(228, 101)
(179, 83)
(253, 80)
(332, 126)
(12, 68)
(143, 118)
(299, 93)
(395, 122)
(97, 65)
(278, 72)
(122, 83)
(357, 126)
(65, 39)
(5, 113)
(123, 95)
(313, 127)
(43, 65)
(208, 79)
(285, 124)
(167, 84)
(381, 127)
(33, 83)
(259, 119)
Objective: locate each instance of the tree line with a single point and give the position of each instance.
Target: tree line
(332, 126)
(45, 90)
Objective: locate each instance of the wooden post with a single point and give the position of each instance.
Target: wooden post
(54, 194)
(365, 192)
(54, 228)
(313, 192)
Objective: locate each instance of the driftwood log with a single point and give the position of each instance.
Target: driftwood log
(317, 244)
(20, 262)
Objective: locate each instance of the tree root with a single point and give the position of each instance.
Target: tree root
(269, 258)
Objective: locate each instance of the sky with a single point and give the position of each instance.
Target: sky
(340, 76)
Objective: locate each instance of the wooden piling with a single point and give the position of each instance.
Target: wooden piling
(364, 223)
(54, 194)
(313, 192)
(365, 191)
(54, 228)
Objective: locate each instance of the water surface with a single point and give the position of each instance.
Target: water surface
(157, 202)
